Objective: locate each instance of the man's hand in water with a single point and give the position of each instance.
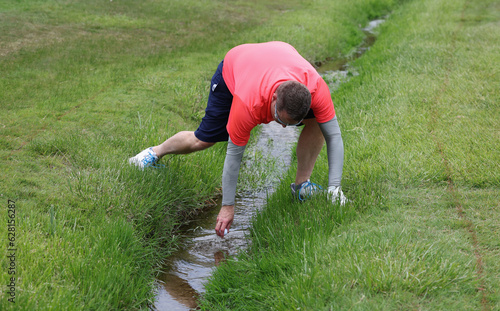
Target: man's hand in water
(224, 219)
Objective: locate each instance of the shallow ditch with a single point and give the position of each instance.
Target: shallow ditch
(270, 155)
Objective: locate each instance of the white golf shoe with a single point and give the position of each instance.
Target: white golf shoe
(145, 158)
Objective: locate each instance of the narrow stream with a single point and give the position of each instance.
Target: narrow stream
(188, 269)
(338, 71)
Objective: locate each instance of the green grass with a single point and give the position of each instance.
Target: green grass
(421, 133)
(85, 85)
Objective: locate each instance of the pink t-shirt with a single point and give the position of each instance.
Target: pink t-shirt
(252, 72)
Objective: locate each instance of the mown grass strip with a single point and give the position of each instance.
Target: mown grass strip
(455, 200)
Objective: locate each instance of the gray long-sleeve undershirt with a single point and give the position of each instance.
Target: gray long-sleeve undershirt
(335, 151)
(232, 163)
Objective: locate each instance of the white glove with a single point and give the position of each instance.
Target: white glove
(335, 193)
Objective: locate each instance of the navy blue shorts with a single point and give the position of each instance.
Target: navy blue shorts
(212, 128)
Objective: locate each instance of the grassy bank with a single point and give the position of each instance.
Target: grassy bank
(85, 85)
(421, 133)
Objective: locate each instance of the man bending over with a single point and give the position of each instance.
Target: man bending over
(256, 84)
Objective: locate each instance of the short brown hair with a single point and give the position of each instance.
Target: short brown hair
(295, 98)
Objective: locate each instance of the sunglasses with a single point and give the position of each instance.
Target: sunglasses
(279, 120)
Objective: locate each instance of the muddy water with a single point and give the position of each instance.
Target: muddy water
(189, 268)
(270, 156)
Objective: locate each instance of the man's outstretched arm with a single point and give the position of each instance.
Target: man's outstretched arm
(230, 173)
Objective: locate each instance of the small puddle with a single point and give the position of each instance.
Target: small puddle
(188, 269)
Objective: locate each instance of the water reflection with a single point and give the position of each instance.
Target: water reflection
(185, 296)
